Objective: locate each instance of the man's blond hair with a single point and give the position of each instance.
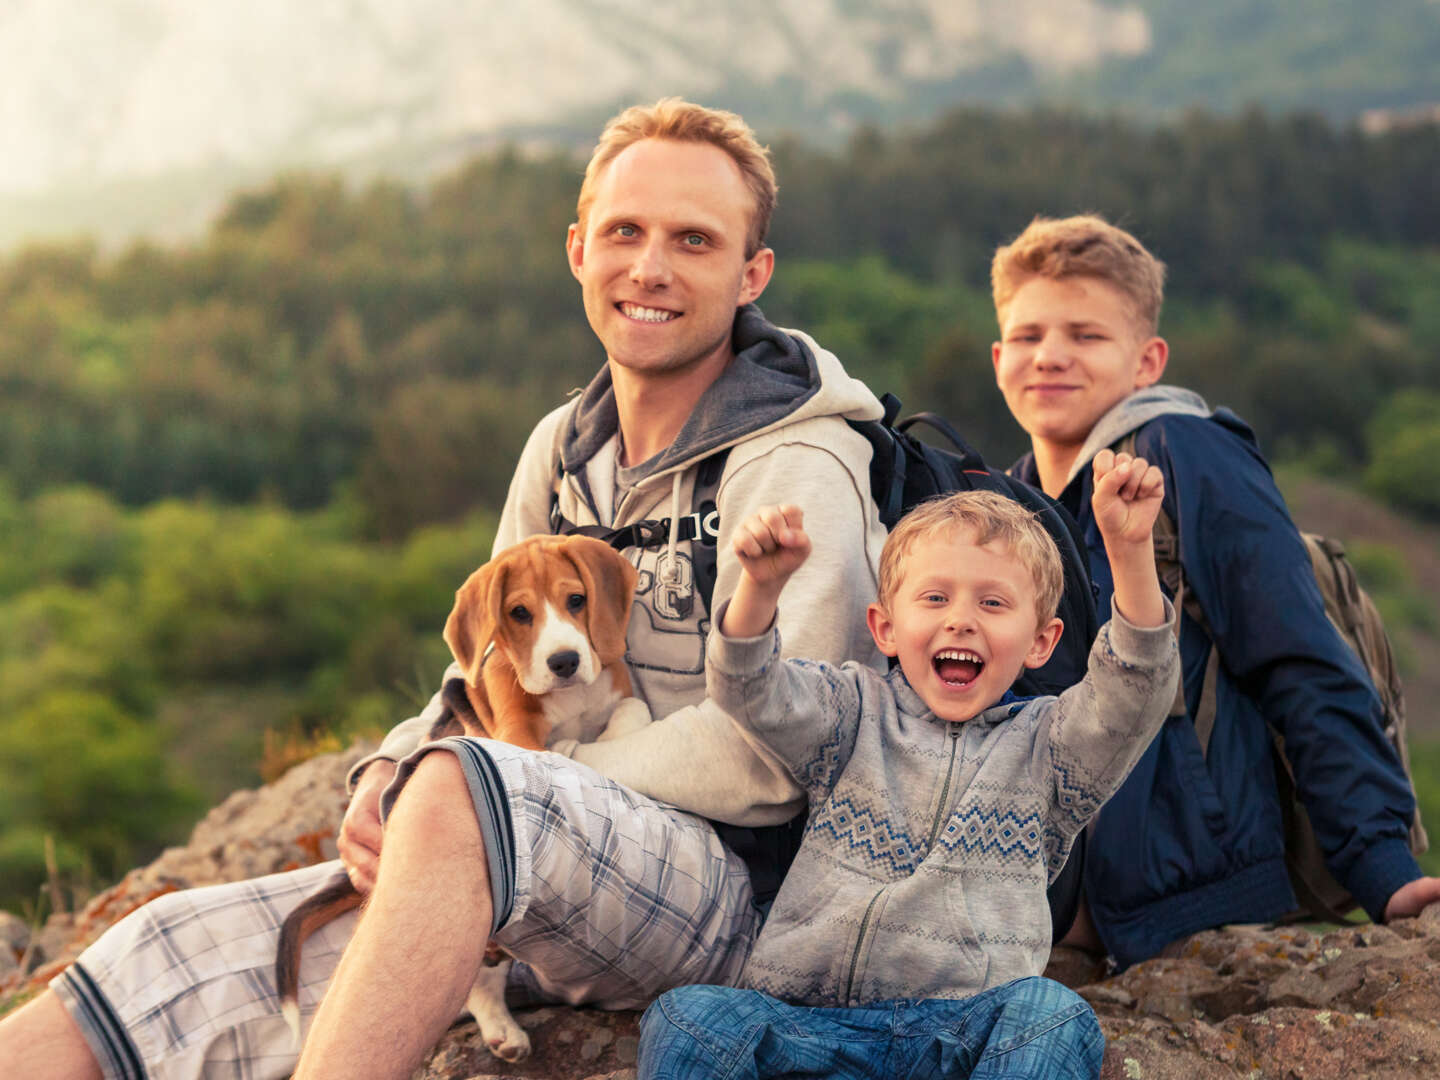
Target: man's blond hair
(988, 518)
(1082, 246)
(683, 121)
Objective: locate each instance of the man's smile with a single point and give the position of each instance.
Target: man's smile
(645, 314)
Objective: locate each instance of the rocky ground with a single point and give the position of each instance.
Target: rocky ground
(1248, 1002)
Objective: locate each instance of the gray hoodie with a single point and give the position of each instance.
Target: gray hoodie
(780, 407)
(929, 844)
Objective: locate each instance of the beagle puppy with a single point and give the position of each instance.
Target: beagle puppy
(539, 632)
(539, 635)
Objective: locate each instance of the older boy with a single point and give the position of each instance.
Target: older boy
(1193, 838)
(940, 805)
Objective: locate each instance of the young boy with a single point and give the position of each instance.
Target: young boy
(1194, 838)
(940, 804)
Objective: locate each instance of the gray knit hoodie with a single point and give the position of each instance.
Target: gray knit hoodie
(930, 844)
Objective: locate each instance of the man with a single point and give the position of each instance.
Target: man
(1194, 838)
(603, 896)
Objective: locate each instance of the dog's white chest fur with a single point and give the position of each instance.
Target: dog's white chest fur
(581, 711)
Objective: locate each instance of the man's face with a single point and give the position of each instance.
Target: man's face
(1069, 349)
(962, 623)
(661, 261)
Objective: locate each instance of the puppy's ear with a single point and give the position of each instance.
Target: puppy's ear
(474, 617)
(609, 582)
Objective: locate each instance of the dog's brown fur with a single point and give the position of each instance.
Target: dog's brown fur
(483, 614)
(491, 609)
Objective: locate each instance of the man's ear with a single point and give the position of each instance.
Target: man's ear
(1046, 638)
(755, 276)
(575, 248)
(995, 358)
(1154, 355)
(882, 629)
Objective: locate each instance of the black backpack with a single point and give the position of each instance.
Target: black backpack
(904, 471)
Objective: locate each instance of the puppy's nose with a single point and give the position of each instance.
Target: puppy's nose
(564, 663)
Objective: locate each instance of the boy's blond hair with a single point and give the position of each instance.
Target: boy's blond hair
(1082, 246)
(989, 518)
(683, 121)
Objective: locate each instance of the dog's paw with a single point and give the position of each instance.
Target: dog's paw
(630, 715)
(506, 1039)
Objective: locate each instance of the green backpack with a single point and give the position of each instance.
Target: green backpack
(1355, 616)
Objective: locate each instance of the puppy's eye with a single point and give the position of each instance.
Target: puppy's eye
(520, 613)
(575, 601)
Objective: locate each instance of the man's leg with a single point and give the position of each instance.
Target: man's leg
(41, 1042)
(404, 976)
(602, 896)
(181, 987)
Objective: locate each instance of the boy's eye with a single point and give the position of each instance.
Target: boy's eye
(627, 231)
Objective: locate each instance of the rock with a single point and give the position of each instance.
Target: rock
(1240, 1002)
(14, 937)
(569, 1044)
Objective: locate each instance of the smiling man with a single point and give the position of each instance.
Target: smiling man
(605, 894)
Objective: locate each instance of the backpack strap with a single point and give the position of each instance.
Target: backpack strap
(701, 526)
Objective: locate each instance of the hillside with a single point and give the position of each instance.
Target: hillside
(183, 101)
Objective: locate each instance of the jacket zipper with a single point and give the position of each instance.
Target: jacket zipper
(859, 944)
(940, 813)
(934, 831)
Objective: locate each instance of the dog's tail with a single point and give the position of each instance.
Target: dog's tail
(326, 905)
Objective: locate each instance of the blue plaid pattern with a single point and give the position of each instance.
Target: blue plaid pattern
(1031, 1027)
(612, 899)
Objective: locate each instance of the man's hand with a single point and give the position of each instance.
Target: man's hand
(359, 839)
(1128, 491)
(1410, 900)
(770, 545)
(1126, 502)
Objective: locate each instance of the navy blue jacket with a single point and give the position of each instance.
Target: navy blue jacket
(1195, 840)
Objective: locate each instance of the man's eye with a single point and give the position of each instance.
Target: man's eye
(626, 231)
(520, 613)
(694, 240)
(575, 601)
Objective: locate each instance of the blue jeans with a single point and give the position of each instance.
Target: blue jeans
(1027, 1028)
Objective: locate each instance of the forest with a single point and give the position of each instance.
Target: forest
(241, 477)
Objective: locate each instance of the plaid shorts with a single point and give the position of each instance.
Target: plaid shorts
(603, 896)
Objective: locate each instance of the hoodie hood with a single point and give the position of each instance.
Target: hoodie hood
(777, 377)
(1132, 413)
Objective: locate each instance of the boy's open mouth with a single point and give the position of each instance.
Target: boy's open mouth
(957, 667)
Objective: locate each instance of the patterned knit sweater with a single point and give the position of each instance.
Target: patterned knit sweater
(929, 844)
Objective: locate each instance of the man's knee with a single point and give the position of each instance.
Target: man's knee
(434, 809)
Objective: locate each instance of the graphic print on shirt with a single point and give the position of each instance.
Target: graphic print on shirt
(661, 625)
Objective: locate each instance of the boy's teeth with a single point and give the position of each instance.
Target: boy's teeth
(645, 314)
(958, 666)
